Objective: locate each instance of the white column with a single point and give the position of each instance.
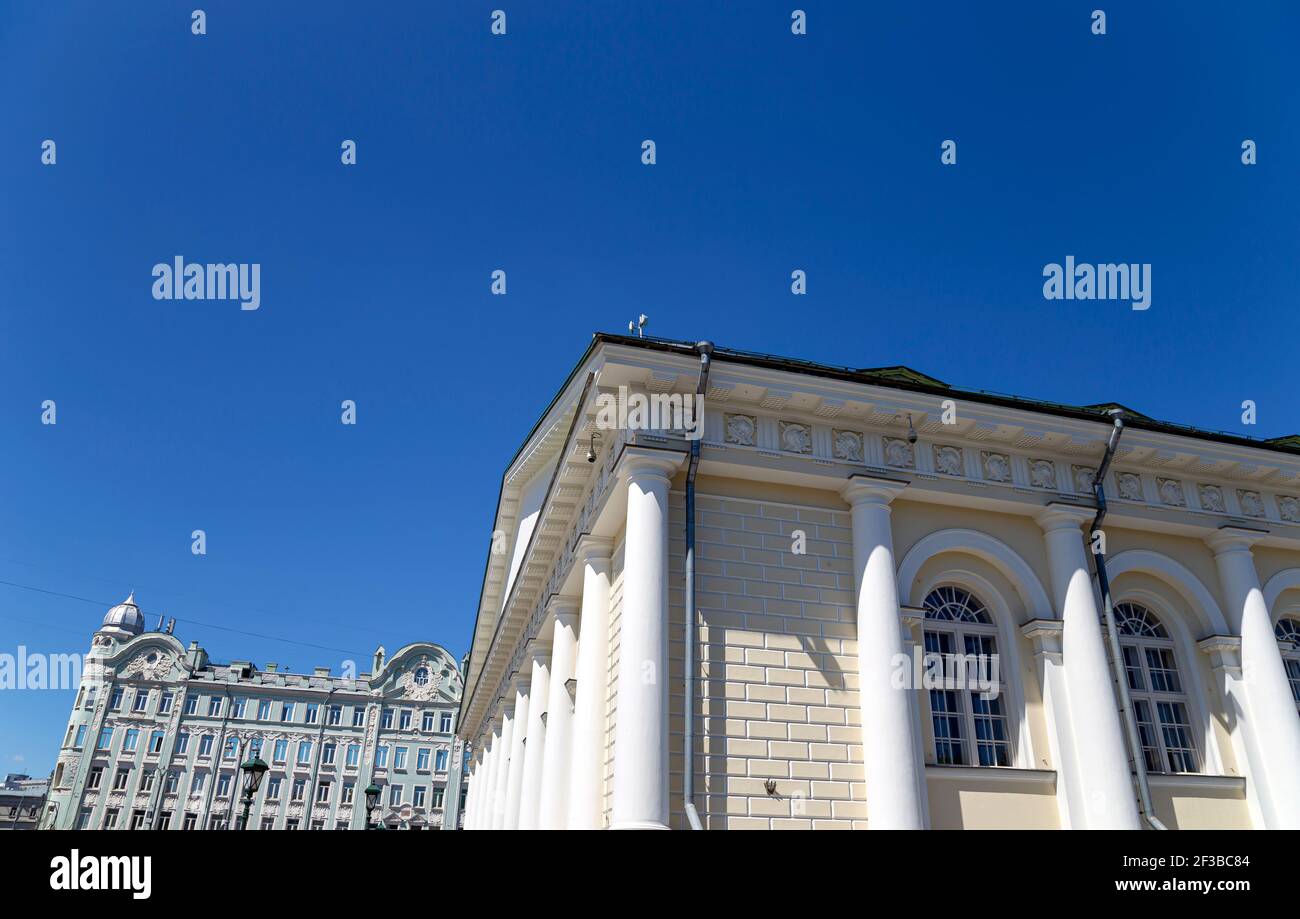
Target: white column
(1270, 730)
(502, 768)
(1049, 664)
(475, 785)
(640, 799)
(534, 752)
(1099, 772)
(487, 799)
(587, 770)
(553, 811)
(895, 777)
(515, 774)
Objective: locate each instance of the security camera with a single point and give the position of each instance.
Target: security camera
(911, 437)
(591, 448)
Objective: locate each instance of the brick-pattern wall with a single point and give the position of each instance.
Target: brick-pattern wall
(777, 698)
(611, 697)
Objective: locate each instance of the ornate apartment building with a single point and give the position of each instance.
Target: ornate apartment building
(158, 732)
(856, 534)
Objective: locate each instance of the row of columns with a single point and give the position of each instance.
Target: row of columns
(543, 761)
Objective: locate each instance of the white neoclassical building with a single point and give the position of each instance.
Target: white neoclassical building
(897, 619)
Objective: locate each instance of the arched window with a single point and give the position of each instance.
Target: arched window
(967, 706)
(1288, 636)
(1159, 701)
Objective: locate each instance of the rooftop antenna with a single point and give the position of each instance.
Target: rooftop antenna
(638, 325)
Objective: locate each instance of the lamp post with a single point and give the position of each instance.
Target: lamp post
(253, 771)
(372, 798)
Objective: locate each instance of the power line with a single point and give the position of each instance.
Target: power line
(208, 625)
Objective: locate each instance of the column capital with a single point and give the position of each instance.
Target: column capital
(538, 652)
(647, 462)
(562, 608)
(1228, 539)
(594, 548)
(1057, 516)
(870, 489)
(910, 617)
(1224, 652)
(1046, 636)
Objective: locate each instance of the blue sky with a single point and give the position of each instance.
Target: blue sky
(522, 152)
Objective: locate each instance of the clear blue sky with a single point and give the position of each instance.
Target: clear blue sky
(522, 152)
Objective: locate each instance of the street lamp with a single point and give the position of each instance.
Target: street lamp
(372, 798)
(253, 771)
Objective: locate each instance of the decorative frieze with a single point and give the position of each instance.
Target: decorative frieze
(847, 446)
(898, 453)
(1171, 492)
(741, 430)
(1042, 473)
(948, 460)
(1288, 508)
(1130, 486)
(1211, 497)
(795, 437)
(996, 466)
(1252, 505)
(1083, 477)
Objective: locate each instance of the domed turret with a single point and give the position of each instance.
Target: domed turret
(125, 617)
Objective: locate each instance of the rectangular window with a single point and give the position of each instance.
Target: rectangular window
(146, 780)
(273, 788)
(115, 700)
(165, 820)
(381, 757)
(122, 779)
(404, 720)
(358, 716)
(95, 777)
(318, 824)
(304, 752)
(255, 747)
(386, 719)
(165, 703)
(264, 710)
(81, 737)
(214, 707)
(286, 711)
(156, 742)
(141, 701)
(445, 726)
(173, 780)
(323, 793)
(437, 796)
(422, 759)
(426, 721)
(110, 818)
(191, 705)
(190, 822)
(205, 745)
(130, 740)
(268, 823)
(440, 761)
(137, 819)
(347, 793)
(354, 755)
(231, 747)
(291, 823)
(182, 742)
(327, 754)
(336, 714)
(340, 824)
(197, 781)
(417, 796)
(105, 739)
(399, 758)
(299, 789)
(281, 751)
(313, 712)
(394, 795)
(83, 818)
(223, 785)
(241, 704)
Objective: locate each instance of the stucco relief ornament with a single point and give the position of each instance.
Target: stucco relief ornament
(795, 438)
(116, 799)
(1252, 505)
(740, 430)
(149, 664)
(296, 810)
(91, 798)
(1289, 508)
(420, 683)
(997, 468)
(1211, 498)
(848, 446)
(1130, 486)
(1042, 473)
(1084, 476)
(1171, 492)
(947, 460)
(898, 453)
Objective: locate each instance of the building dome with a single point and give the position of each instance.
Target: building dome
(125, 616)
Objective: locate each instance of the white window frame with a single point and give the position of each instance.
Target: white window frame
(1141, 631)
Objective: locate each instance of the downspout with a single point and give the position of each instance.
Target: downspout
(705, 350)
(1118, 672)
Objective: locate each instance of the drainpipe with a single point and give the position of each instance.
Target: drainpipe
(1116, 654)
(705, 350)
